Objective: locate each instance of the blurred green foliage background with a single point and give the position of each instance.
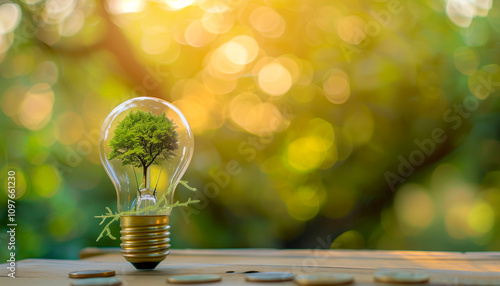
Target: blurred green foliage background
(342, 124)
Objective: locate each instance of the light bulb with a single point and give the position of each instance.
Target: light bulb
(145, 145)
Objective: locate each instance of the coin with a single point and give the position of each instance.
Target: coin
(91, 273)
(392, 276)
(269, 276)
(101, 281)
(325, 279)
(189, 279)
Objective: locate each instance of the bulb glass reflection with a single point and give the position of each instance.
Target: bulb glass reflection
(136, 188)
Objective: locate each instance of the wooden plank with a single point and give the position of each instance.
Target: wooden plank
(445, 267)
(333, 259)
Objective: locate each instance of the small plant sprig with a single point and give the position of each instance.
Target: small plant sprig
(152, 209)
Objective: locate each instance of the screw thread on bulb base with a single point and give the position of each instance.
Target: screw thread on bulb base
(145, 240)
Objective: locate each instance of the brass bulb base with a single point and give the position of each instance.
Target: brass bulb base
(145, 240)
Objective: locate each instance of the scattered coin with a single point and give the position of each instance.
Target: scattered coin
(325, 279)
(269, 276)
(91, 273)
(392, 276)
(101, 281)
(190, 279)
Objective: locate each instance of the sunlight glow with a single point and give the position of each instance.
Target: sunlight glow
(126, 6)
(461, 12)
(274, 79)
(351, 29)
(36, 108)
(268, 22)
(218, 23)
(197, 36)
(241, 50)
(10, 16)
(337, 87)
(179, 4)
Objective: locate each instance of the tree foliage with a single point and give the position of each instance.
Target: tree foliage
(142, 139)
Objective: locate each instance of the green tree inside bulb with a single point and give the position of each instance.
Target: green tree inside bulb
(142, 139)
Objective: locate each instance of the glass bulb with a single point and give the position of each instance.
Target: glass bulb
(145, 145)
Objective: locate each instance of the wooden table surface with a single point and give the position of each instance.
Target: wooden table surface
(445, 268)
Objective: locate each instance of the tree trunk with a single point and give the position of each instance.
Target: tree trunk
(144, 176)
